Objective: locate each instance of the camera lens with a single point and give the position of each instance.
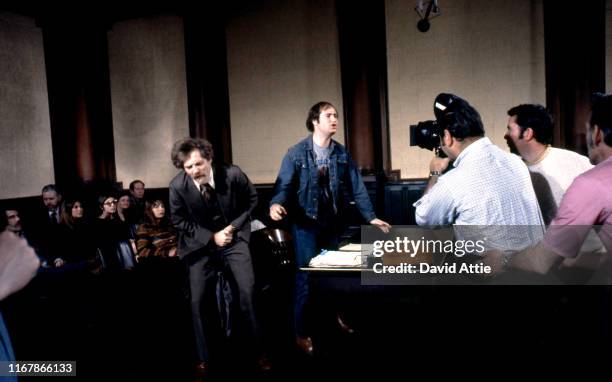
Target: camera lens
(425, 135)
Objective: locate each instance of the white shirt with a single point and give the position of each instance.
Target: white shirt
(55, 211)
(489, 188)
(559, 168)
(211, 181)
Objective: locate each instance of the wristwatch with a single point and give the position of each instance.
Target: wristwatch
(435, 173)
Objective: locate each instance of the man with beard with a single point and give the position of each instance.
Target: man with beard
(552, 169)
(45, 231)
(10, 221)
(586, 203)
(211, 209)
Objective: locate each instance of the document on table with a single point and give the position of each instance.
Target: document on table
(337, 259)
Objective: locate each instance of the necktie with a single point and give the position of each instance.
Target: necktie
(207, 191)
(53, 217)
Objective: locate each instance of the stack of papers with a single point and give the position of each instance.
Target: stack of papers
(337, 259)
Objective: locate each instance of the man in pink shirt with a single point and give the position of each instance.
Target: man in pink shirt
(587, 203)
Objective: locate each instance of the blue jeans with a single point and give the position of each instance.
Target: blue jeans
(308, 239)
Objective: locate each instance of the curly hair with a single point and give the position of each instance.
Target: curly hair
(182, 149)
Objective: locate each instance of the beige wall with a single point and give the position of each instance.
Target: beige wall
(488, 52)
(26, 163)
(608, 46)
(282, 59)
(149, 97)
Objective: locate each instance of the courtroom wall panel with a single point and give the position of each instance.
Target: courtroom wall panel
(149, 96)
(26, 163)
(283, 57)
(490, 53)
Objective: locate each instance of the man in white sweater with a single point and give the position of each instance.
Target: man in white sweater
(529, 135)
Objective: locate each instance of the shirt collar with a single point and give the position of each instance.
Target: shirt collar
(309, 144)
(473, 147)
(211, 181)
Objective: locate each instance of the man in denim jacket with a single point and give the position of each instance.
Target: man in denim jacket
(317, 179)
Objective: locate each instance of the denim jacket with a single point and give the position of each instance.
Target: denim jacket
(297, 186)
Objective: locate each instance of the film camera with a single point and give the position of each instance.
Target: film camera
(426, 134)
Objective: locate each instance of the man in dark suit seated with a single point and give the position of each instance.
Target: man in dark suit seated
(46, 227)
(211, 207)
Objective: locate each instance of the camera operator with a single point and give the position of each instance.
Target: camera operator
(485, 186)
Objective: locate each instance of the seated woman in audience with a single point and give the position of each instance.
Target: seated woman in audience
(112, 236)
(76, 241)
(125, 213)
(123, 206)
(156, 236)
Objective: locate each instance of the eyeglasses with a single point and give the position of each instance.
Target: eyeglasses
(110, 203)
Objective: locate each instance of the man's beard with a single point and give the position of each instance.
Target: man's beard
(202, 180)
(512, 146)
